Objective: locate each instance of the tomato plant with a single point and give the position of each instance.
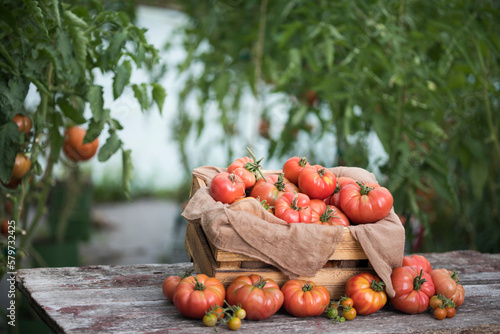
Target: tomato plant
(271, 188)
(317, 182)
(74, 146)
(195, 295)
(417, 261)
(23, 123)
(226, 188)
(293, 208)
(293, 167)
(414, 289)
(365, 202)
(367, 292)
(447, 283)
(304, 298)
(259, 297)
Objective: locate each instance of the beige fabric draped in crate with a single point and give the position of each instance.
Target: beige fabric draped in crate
(245, 227)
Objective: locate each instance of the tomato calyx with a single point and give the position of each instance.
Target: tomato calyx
(327, 215)
(377, 286)
(280, 184)
(260, 284)
(255, 166)
(303, 162)
(322, 171)
(418, 281)
(364, 189)
(307, 287)
(294, 205)
(198, 286)
(454, 276)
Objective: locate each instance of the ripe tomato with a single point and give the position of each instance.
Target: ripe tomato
(418, 261)
(413, 287)
(22, 166)
(243, 168)
(272, 188)
(226, 188)
(327, 214)
(317, 182)
(293, 208)
(439, 313)
(4, 227)
(447, 284)
(23, 123)
(435, 302)
(73, 145)
(304, 298)
(170, 284)
(365, 202)
(349, 313)
(346, 301)
(367, 292)
(292, 168)
(260, 298)
(195, 295)
(234, 323)
(334, 198)
(450, 311)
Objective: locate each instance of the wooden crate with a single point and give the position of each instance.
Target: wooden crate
(348, 259)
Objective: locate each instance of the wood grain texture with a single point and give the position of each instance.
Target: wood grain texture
(128, 299)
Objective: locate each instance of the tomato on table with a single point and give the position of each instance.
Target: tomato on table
(293, 167)
(170, 284)
(317, 182)
(226, 187)
(259, 297)
(365, 202)
(447, 283)
(414, 289)
(419, 261)
(195, 295)
(367, 292)
(304, 298)
(73, 145)
(293, 208)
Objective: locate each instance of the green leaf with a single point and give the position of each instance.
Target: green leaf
(9, 139)
(121, 79)
(76, 28)
(141, 94)
(96, 126)
(96, 101)
(159, 95)
(127, 170)
(113, 144)
(115, 48)
(71, 112)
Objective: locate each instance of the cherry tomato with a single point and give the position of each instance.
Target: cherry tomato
(439, 313)
(414, 289)
(317, 182)
(73, 145)
(195, 295)
(450, 311)
(304, 298)
(23, 123)
(292, 168)
(418, 261)
(365, 202)
(346, 301)
(226, 188)
(234, 323)
(240, 313)
(210, 320)
(293, 208)
(435, 302)
(259, 297)
(22, 166)
(332, 313)
(367, 292)
(349, 313)
(272, 188)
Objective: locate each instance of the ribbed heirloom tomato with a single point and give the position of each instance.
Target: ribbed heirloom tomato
(226, 188)
(293, 208)
(293, 167)
(367, 292)
(304, 298)
(323, 214)
(317, 182)
(414, 289)
(195, 295)
(334, 199)
(272, 188)
(73, 145)
(170, 284)
(418, 261)
(447, 283)
(365, 202)
(260, 298)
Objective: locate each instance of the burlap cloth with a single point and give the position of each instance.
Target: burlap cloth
(245, 227)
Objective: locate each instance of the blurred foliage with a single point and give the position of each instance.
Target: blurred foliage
(421, 77)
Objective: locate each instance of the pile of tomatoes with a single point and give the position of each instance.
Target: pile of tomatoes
(303, 193)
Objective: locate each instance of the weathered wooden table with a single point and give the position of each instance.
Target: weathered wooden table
(128, 298)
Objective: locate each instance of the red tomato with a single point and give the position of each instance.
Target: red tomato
(22, 166)
(317, 182)
(260, 298)
(327, 214)
(414, 289)
(4, 227)
(293, 208)
(365, 202)
(226, 188)
(418, 261)
(304, 298)
(73, 145)
(367, 292)
(440, 313)
(23, 123)
(243, 168)
(272, 188)
(292, 168)
(195, 295)
(170, 284)
(447, 284)
(334, 198)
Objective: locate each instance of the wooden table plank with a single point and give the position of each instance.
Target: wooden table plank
(126, 299)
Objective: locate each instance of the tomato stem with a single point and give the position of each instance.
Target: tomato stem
(260, 284)
(255, 167)
(198, 285)
(364, 189)
(377, 286)
(307, 287)
(303, 162)
(280, 184)
(418, 281)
